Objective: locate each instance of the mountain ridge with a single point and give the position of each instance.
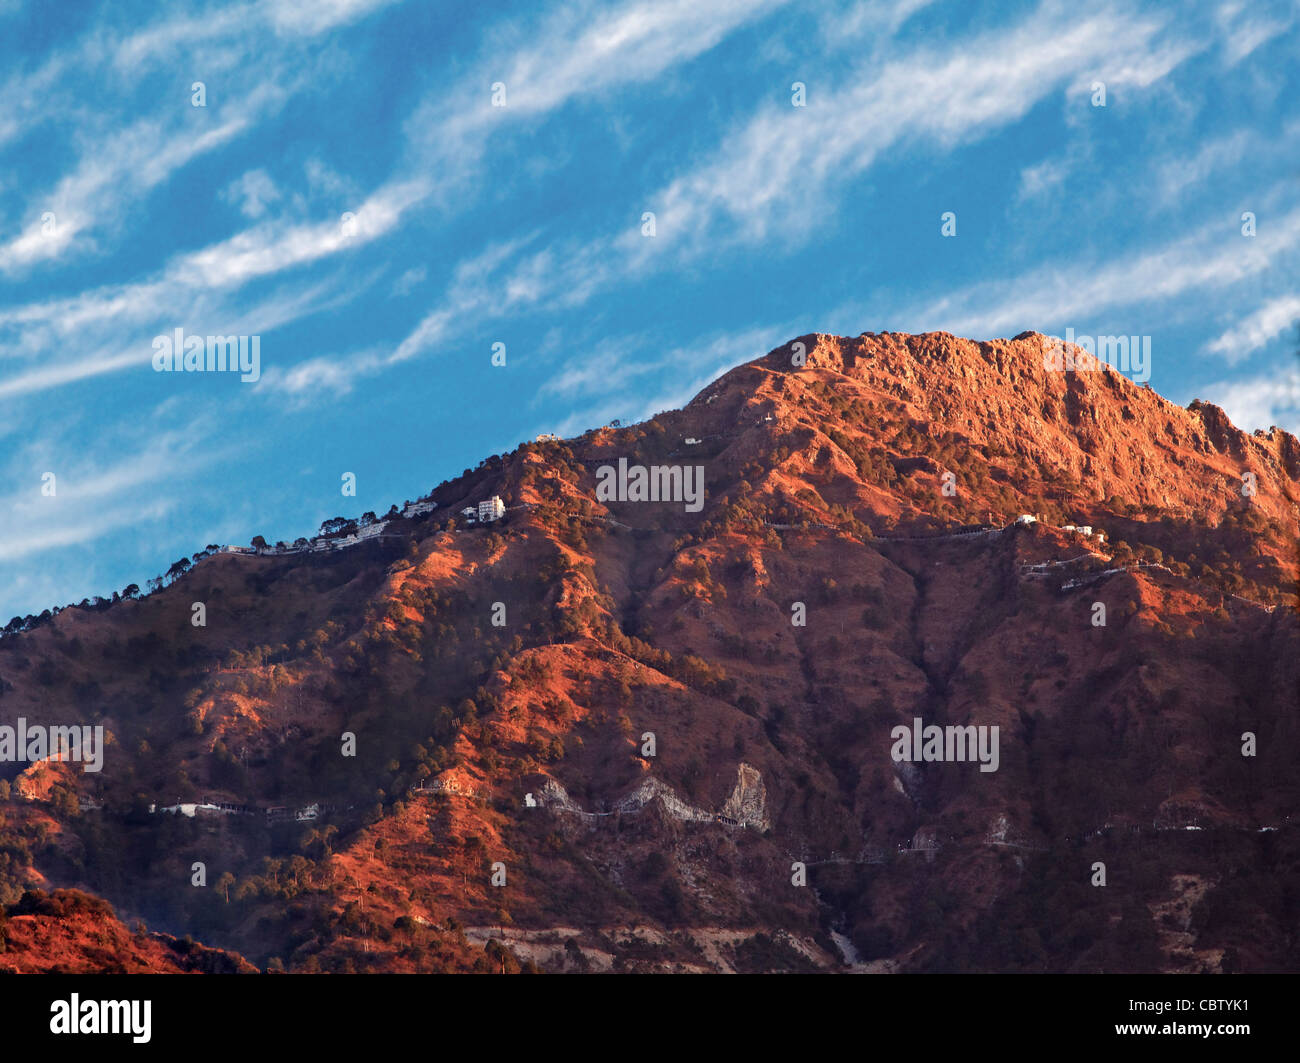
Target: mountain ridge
(825, 490)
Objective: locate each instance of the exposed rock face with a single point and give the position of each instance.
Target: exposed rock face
(747, 803)
(653, 790)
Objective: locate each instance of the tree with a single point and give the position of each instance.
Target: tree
(224, 883)
(271, 867)
(259, 543)
(131, 590)
(299, 868)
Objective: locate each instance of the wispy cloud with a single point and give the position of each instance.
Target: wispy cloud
(194, 289)
(90, 498)
(1248, 26)
(1260, 401)
(1253, 332)
(1177, 174)
(273, 248)
(123, 154)
(115, 170)
(575, 53)
(145, 311)
(291, 16)
(1052, 295)
(776, 174)
(254, 192)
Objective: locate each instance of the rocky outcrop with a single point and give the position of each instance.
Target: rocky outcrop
(747, 804)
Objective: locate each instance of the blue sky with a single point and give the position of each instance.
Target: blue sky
(473, 224)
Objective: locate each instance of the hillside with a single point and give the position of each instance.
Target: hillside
(855, 563)
(71, 933)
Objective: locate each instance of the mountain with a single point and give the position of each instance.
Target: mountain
(606, 733)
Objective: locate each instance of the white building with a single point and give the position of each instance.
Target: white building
(492, 509)
(1026, 518)
(1085, 530)
(418, 509)
(691, 441)
(469, 513)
